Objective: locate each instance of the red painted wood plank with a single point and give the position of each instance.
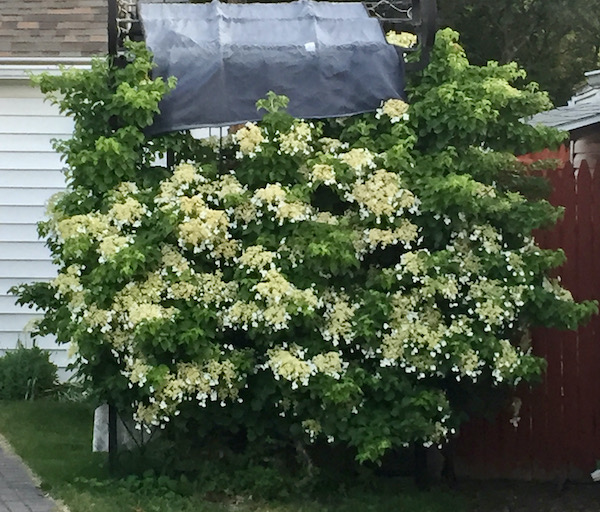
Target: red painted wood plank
(551, 458)
(539, 417)
(595, 283)
(588, 372)
(570, 444)
(544, 345)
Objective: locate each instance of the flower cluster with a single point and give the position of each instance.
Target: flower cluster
(395, 109)
(297, 140)
(403, 39)
(381, 195)
(249, 139)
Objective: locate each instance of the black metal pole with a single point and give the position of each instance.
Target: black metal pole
(113, 32)
(170, 159)
(113, 41)
(112, 438)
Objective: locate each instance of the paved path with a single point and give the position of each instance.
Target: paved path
(18, 492)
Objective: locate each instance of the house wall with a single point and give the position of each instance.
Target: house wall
(585, 145)
(29, 175)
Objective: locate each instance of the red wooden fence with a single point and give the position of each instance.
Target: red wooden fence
(558, 435)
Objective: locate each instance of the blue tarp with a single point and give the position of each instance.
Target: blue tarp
(330, 59)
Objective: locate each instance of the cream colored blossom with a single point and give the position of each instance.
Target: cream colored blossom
(242, 315)
(359, 159)
(470, 363)
(381, 195)
(297, 140)
(249, 139)
(326, 218)
(213, 289)
(111, 245)
(145, 312)
(137, 371)
(295, 211)
(96, 317)
(395, 109)
(491, 303)
(167, 196)
(483, 190)
(173, 260)
(120, 339)
(228, 185)
(129, 212)
(67, 281)
(193, 205)
(194, 378)
(146, 414)
(143, 292)
(339, 313)
(413, 262)
(245, 212)
(273, 287)
(553, 286)
(210, 225)
(227, 249)
(92, 225)
(406, 233)
(289, 366)
(323, 173)
(270, 194)
(330, 145)
(403, 39)
(329, 364)
(126, 188)
(393, 346)
(506, 360)
(184, 174)
(488, 236)
(447, 286)
(276, 316)
(403, 306)
(256, 257)
(182, 290)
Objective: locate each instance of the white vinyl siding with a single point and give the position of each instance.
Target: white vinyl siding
(30, 173)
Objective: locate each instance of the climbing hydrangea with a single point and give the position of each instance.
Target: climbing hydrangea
(332, 278)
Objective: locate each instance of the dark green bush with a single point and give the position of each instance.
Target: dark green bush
(26, 374)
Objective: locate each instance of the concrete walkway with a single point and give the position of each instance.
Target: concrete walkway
(18, 492)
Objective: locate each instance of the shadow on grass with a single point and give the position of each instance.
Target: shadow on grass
(54, 439)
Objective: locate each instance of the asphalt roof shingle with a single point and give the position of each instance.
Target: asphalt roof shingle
(570, 117)
(53, 28)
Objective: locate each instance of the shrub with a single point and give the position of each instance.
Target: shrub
(334, 280)
(26, 374)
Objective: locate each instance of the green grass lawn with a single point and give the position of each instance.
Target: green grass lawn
(55, 440)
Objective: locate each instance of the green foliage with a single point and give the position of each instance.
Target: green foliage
(26, 374)
(342, 280)
(556, 41)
